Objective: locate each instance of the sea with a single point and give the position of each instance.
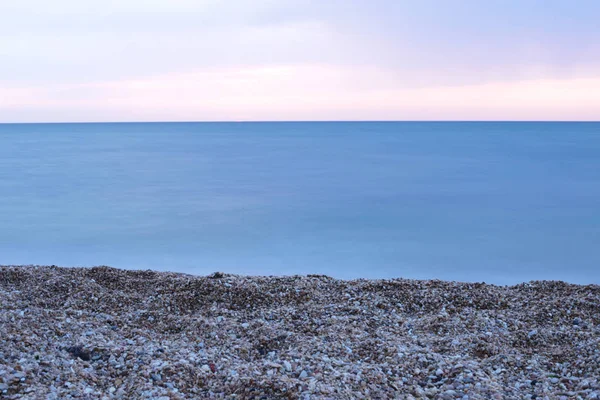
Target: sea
(495, 202)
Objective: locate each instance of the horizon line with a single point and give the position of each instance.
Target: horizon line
(296, 121)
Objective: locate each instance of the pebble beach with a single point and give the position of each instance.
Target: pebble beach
(106, 333)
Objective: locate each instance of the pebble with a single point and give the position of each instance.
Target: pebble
(156, 377)
(287, 365)
(532, 333)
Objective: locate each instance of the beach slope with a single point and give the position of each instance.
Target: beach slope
(103, 333)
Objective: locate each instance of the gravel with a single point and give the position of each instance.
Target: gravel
(105, 333)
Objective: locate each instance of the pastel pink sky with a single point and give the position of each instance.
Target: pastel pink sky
(298, 60)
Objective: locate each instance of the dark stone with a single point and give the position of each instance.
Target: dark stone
(262, 351)
(80, 352)
(318, 276)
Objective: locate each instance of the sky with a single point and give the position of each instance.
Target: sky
(212, 60)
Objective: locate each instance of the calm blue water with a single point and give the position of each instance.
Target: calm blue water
(494, 202)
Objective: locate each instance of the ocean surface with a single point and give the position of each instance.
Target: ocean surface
(475, 201)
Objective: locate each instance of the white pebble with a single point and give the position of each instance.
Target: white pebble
(532, 333)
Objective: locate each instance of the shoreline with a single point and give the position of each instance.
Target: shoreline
(108, 333)
(308, 275)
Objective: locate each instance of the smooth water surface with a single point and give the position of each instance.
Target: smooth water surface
(494, 202)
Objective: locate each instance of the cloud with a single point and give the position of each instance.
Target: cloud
(241, 58)
(87, 56)
(306, 92)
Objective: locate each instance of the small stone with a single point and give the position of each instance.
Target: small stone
(303, 375)
(532, 333)
(80, 352)
(287, 366)
(439, 372)
(585, 384)
(554, 380)
(156, 377)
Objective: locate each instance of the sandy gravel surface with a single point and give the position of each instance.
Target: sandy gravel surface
(104, 333)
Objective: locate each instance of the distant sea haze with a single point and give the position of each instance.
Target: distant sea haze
(500, 202)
